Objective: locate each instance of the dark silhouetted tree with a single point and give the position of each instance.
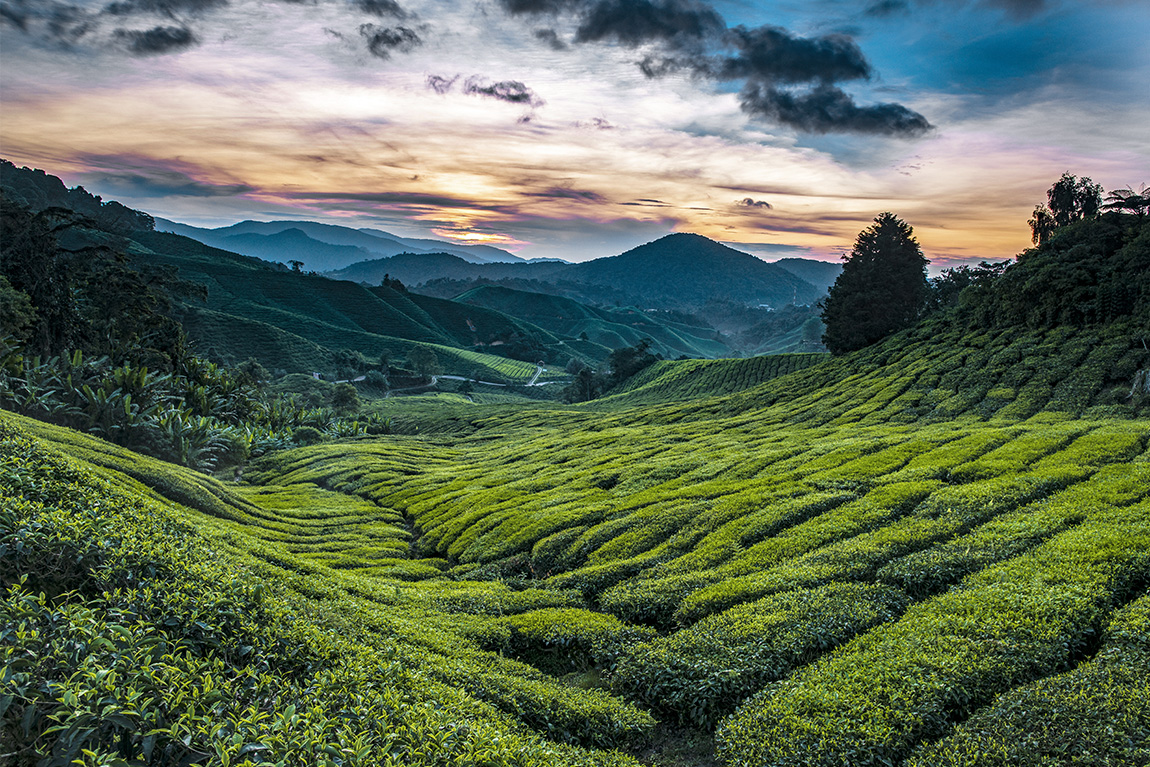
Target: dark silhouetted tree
(881, 289)
(1127, 199)
(1070, 199)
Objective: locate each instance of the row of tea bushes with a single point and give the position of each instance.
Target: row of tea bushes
(128, 637)
(560, 641)
(691, 379)
(1097, 714)
(947, 512)
(875, 699)
(931, 570)
(701, 673)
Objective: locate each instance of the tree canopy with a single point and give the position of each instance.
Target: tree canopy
(1070, 199)
(881, 289)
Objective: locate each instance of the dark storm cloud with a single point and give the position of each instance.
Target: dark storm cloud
(511, 91)
(149, 42)
(520, 7)
(381, 41)
(634, 22)
(440, 84)
(750, 202)
(773, 54)
(826, 109)
(690, 35)
(15, 17)
(166, 7)
(551, 38)
(381, 8)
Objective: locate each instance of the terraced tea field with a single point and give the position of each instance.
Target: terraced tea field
(935, 551)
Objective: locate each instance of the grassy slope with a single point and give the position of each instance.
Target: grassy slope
(612, 327)
(299, 322)
(939, 520)
(908, 465)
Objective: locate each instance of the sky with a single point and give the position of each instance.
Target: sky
(581, 128)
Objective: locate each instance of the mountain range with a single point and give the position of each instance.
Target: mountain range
(680, 272)
(324, 247)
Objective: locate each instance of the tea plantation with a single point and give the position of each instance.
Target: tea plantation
(934, 551)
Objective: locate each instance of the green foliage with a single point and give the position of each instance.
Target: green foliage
(424, 360)
(881, 289)
(1089, 271)
(130, 634)
(1096, 714)
(1070, 199)
(1027, 617)
(929, 551)
(702, 673)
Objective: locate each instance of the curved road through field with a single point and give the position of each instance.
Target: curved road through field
(435, 379)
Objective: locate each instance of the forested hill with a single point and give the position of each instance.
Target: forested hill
(39, 191)
(677, 272)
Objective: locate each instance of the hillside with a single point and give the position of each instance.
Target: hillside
(791, 544)
(306, 320)
(677, 272)
(821, 274)
(930, 552)
(688, 269)
(325, 247)
(613, 328)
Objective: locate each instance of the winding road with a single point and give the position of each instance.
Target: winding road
(435, 379)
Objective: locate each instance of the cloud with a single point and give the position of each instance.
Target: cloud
(564, 193)
(381, 41)
(691, 35)
(827, 109)
(138, 177)
(885, 8)
(14, 17)
(773, 54)
(165, 7)
(551, 38)
(634, 22)
(750, 202)
(149, 42)
(511, 91)
(381, 8)
(440, 84)
(521, 7)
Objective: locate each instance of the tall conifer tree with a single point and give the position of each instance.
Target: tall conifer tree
(881, 289)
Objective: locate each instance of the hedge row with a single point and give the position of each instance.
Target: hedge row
(1096, 715)
(701, 673)
(873, 701)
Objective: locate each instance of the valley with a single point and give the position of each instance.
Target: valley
(930, 550)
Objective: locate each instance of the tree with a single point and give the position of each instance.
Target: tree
(296, 266)
(345, 399)
(626, 362)
(424, 360)
(1127, 199)
(1070, 199)
(882, 287)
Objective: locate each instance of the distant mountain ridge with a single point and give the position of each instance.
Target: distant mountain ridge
(821, 274)
(325, 247)
(678, 271)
